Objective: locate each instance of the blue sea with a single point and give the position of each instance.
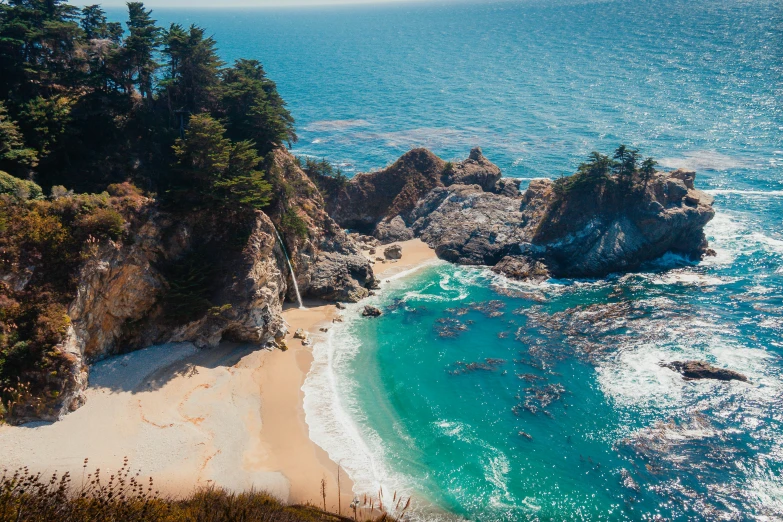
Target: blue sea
(491, 400)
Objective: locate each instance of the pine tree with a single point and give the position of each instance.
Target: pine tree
(218, 171)
(14, 156)
(252, 107)
(193, 68)
(597, 166)
(647, 170)
(139, 49)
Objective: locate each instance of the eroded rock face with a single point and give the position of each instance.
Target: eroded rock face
(119, 303)
(327, 262)
(694, 370)
(394, 191)
(572, 235)
(116, 308)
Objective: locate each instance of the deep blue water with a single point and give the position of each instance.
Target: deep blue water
(566, 413)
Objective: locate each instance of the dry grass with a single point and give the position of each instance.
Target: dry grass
(126, 496)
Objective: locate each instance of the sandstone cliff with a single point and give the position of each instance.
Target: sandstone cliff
(176, 275)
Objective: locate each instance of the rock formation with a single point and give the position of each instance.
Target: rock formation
(694, 370)
(126, 288)
(328, 264)
(381, 202)
(371, 311)
(476, 170)
(392, 252)
(378, 196)
(575, 227)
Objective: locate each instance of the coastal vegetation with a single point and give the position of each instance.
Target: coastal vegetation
(328, 179)
(98, 122)
(125, 496)
(624, 169)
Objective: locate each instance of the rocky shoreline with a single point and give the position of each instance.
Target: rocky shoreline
(466, 211)
(472, 216)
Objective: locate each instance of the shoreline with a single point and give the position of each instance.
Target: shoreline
(231, 416)
(314, 317)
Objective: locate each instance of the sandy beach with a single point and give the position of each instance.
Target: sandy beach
(230, 416)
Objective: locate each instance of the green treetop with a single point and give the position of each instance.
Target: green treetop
(215, 170)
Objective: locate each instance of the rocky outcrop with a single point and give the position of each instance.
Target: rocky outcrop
(371, 311)
(395, 229)
(694, 370)
(117, 305)
(381, 202)
(392, 252)
(327, 262)
(127, 288)
(372, 197)
(522, 269)
(576, 227)
(476, 170)
(507, 187)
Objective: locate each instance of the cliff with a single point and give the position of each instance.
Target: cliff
(165, 275)
(579, 226)
(328, 264)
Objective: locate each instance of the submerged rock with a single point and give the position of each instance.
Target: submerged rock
(695, 370)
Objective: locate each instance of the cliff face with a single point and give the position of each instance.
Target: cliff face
(381, 202)
(327, 263)
(579, 227)
(373, 197)
(579, 234)
(119, 302)
(195, 277)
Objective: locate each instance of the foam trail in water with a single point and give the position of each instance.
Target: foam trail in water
(335, 418)
(763, 193)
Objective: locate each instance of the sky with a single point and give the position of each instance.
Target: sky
(217, 4)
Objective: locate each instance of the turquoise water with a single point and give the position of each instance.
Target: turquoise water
(495, 401)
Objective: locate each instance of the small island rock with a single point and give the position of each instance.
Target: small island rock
(694, 370)
(371, 311)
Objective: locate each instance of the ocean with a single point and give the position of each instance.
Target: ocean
(492, 400)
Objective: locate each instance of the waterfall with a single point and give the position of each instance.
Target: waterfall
(290, 267)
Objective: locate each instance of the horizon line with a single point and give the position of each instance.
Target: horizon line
(263, 4)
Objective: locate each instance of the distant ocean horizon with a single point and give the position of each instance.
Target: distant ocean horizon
(567, 413)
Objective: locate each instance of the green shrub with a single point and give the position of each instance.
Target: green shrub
(102, 223)
(292, 222)
(53, 237)
(326, 178)
(19, 188)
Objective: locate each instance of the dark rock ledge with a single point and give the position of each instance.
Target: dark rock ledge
(695, 370)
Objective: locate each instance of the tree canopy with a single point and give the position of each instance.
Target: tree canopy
(86, 102)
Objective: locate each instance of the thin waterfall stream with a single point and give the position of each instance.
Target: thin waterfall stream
(291, 268)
